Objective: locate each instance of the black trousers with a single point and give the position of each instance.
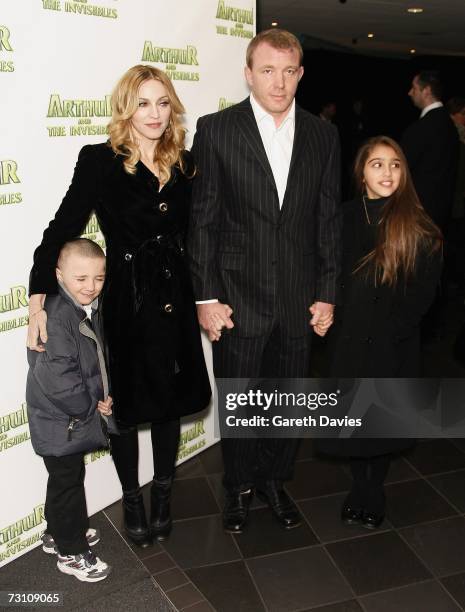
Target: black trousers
(65, 504)
(250, 462)
(125, 452)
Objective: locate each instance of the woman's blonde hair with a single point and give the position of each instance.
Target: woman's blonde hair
(125, 102)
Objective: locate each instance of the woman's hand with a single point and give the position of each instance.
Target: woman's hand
(37, 329)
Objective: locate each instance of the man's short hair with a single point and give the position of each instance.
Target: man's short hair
(432, 79)
(80, 246)
(455, 105)
(276, 38)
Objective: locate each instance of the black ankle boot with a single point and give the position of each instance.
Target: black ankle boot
(135, 521)
(160, 517)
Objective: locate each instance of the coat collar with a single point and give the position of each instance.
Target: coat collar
(64, 293)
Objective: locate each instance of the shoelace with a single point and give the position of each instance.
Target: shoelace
(89, 558)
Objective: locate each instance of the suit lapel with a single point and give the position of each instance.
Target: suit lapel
(248, 126)
(246, 123)
(299, 143)
(298, 150)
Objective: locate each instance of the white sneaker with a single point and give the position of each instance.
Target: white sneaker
(86, 567)
(49, 546)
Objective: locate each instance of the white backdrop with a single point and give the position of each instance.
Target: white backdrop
(59, 60)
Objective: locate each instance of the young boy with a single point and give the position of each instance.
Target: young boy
(69, 406)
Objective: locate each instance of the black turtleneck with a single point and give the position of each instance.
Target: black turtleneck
(373, 207)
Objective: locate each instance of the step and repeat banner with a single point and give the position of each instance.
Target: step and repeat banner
(59, 61)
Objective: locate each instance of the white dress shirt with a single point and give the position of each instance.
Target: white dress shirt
(278, 143)
(430, 107)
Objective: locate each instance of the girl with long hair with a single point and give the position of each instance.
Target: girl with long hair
(138, 184)
(392, 258)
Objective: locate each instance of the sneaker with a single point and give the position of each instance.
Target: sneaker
(86, 567)
(49, 546)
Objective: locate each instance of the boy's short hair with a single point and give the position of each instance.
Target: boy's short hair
(80, 246)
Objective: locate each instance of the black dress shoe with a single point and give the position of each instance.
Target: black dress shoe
(236, 510)
(134, 519)
(371, 520)
(351, 516)
(281, 504)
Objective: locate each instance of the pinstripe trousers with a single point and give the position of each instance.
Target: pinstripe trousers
(249, 462)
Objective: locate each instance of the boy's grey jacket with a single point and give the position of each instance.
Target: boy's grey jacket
(66, 381)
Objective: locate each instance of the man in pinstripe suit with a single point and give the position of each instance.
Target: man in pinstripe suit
(264, 249)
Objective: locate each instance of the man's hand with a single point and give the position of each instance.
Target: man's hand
(322, 317)
(37, 329)
(213, 317)
(105, 406)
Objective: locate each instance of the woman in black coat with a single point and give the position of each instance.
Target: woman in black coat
(391, 267)
(138, 184)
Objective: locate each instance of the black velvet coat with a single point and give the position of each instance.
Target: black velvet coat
(156, 363)
(376, 333)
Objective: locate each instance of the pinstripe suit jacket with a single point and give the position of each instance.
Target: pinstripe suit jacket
(265, 262)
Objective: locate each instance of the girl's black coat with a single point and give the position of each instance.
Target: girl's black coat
(377, 328)
(156, 363)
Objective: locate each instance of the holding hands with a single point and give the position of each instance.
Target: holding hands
(213, 317)
(322, 317)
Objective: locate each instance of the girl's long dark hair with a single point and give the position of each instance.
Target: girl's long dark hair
(404, 228)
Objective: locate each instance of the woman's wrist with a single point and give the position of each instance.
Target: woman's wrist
(31, 314)
(36, 303)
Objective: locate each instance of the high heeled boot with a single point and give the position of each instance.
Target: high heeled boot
(160, 516)
(134, 518)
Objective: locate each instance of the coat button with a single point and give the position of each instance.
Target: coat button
(128, 257)
(369, 340)
(167, 273)
(168, 308)
(159, 237)
(163, 207)
(375, 298)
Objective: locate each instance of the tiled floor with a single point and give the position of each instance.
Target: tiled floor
(129, 587)
(416, 562)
